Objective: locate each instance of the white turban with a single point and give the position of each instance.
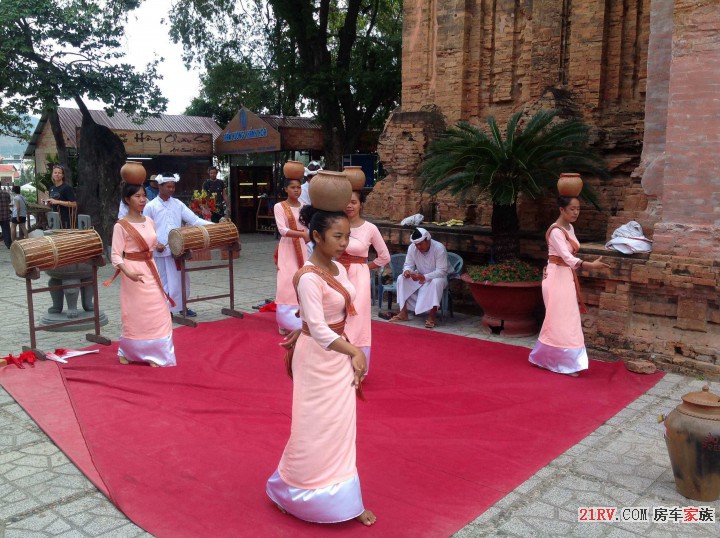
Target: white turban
(424, 234)
(164, 179)
(315, 165)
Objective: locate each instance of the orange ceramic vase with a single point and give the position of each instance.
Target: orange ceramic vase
(570, 184)
(330, 191)
(133, 173)
(294, 170)
(356, 176)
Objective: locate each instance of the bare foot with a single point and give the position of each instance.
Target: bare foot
(573, 374)
(123, 360)
(154, 365)
(398, 317)
(281, 509)
(367, 518)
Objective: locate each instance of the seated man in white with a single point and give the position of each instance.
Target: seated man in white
(420, 286)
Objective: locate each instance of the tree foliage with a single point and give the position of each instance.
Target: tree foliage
(53, 50)
(340, 59)
(466, 159)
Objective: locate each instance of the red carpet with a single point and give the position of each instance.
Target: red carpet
(450, 426)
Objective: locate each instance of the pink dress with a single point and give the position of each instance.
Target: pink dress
(561, 345)
(146, 322)
(285, 298)
(317, 479)
(358, 329)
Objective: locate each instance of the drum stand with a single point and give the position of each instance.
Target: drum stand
(34, 274)
(183, 319)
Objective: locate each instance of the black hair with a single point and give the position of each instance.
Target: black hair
(564, 201)
(16, 189)
(417, 234)
(129, 190)
(212, 168)
(319, 220)
(289, 179)
(361, 196)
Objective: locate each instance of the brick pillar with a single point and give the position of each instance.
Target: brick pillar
(690, 224)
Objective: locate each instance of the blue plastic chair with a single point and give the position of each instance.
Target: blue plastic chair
(396, 265)
(456, 265)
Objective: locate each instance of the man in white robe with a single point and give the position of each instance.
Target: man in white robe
(420, 287)
(169, 213)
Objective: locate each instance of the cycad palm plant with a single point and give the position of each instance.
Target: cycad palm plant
(529, 161)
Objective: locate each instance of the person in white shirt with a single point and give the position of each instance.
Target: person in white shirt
(420, 287)
(311, 169)
(169, 213)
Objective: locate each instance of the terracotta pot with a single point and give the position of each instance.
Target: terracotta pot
(692, 436)
(508, 307)
(294, 170)
(570, 184)
(330, 191)
(356, 176)
(133, 173)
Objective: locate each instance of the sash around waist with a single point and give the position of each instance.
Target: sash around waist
(557, 260)
(347, 259)
(338, 328)
(141, 256)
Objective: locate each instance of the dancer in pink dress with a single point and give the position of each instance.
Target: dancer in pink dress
(291, 256)
(363, 234)
(317, 478)
(146, 322)
(561, 344)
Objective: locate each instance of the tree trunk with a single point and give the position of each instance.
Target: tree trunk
(60, 142)
(101, 155)
(505, 232)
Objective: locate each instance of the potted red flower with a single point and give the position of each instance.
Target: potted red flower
(509, 293)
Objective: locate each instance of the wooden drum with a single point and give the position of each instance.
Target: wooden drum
(180, 240)
(54, 250)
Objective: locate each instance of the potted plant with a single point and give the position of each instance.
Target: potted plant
(465, 160)
(509, 293)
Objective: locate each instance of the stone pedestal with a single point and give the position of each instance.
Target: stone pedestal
(65, 302)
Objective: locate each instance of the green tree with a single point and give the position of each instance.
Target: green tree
(53, 50)
(466, 160)
(340, 59)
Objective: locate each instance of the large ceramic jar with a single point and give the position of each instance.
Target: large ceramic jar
(294, 170)
(692, 435)
(330, 191)
(356, 176)
(133, 173)
(570, 184)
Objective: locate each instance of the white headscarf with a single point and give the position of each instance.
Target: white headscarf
(424, 234)
(164, 179)
(311, 173)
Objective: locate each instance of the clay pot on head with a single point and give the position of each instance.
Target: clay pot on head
(294, 170)
(330, 191)
(356, 176)
(133, 173)
(570, 184)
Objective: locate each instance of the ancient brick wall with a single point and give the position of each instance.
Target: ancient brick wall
(645, 75)
(470, 59)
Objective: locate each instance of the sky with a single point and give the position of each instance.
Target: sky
(147, 37)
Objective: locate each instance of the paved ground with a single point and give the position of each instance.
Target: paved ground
(624, 463)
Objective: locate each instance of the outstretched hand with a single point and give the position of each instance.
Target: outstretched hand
(597, 264)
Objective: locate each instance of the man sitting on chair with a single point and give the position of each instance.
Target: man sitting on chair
(424, 278)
